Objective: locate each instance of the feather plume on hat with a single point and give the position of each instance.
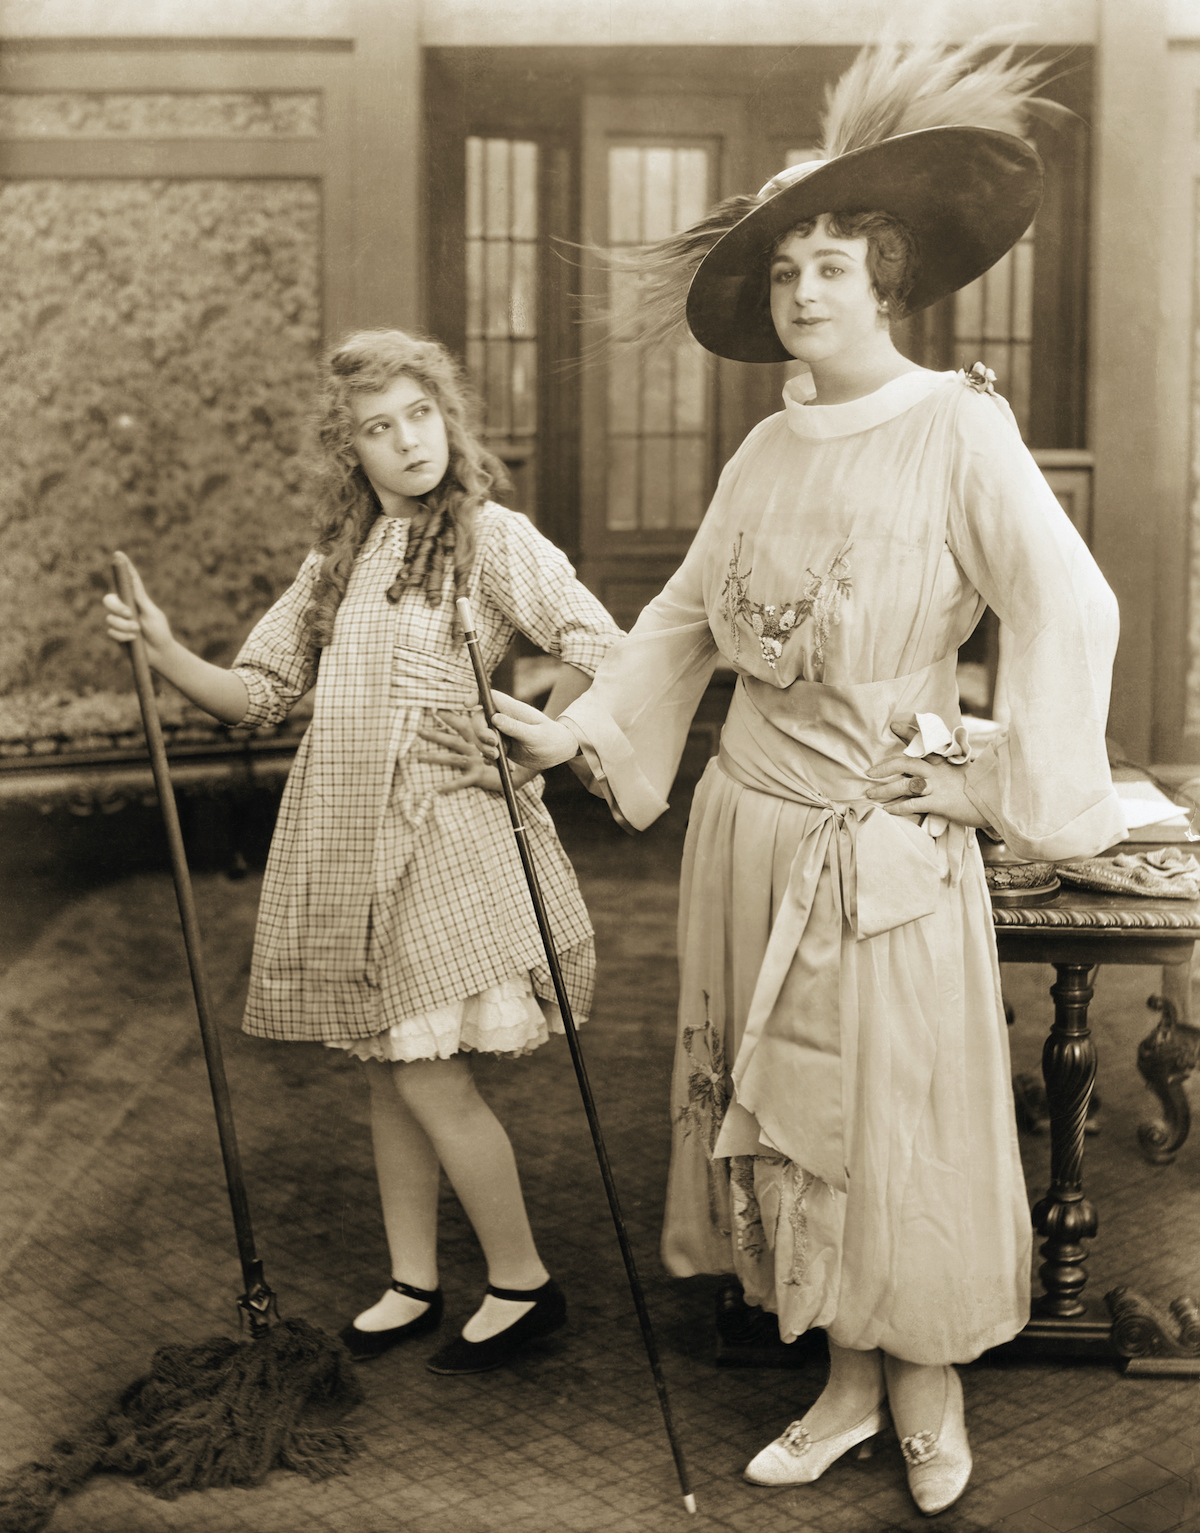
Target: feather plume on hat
(891, 88)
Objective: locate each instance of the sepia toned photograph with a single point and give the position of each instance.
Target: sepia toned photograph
(599, 766)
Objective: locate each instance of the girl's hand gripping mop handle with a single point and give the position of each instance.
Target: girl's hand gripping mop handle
(257, 1301)
(467, 620)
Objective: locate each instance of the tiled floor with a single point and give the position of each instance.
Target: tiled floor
(115, 1238)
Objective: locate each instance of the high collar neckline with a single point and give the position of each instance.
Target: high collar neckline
(823, 421)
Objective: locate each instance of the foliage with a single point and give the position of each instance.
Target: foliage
(50, 716)
(156, 362)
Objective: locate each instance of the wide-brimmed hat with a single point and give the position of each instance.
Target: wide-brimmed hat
(965, 194)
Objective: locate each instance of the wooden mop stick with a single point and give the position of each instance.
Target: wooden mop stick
(256, 1302)
(467, 620)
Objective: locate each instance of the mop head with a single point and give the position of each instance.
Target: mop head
(220, 1413)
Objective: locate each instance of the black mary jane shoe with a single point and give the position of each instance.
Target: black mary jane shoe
(548, 1314)
(363, 1345)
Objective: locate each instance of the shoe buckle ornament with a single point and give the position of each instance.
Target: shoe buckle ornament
(797, 1439)
(920, 1448)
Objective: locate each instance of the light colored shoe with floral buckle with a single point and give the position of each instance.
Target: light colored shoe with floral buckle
(796, 1458)
(939, 1463)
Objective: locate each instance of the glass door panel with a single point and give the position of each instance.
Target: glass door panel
(501, 237)
(655, 424)
(660, 406)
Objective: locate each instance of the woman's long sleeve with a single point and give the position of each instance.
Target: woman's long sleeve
(633, 721)
(1046, 785)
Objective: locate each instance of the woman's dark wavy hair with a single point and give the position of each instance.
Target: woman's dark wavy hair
(892, 255)
(442, 533)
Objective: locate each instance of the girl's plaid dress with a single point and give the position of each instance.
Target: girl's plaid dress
(384, 900)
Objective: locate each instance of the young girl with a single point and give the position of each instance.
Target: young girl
(395, 922)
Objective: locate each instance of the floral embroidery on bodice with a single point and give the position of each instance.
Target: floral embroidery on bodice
(774, 623)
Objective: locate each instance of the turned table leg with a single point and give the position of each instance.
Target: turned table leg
(1064, 1216)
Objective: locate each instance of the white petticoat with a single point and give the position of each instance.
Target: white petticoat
(506, 1018)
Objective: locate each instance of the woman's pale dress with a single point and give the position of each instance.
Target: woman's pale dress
(841, 1107)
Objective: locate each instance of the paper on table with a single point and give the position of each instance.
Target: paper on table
(1144, 804)
(1139, 813)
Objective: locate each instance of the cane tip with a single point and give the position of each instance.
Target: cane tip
(689, 1503)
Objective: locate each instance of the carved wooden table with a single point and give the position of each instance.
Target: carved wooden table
(1075, 932)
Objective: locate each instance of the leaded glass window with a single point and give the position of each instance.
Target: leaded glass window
(659, 404)
(993, 324)
(502, 290)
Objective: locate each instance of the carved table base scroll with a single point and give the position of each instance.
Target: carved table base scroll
(1165, 1059)
(1151, 1341)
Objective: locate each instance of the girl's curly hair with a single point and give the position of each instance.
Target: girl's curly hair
(345, 504)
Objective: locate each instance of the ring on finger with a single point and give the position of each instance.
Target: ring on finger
(915, 787)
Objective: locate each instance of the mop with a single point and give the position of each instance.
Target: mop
(466, 618)
(221, 1412)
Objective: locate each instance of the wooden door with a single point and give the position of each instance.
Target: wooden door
(655, 428)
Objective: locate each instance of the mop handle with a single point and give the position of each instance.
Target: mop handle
(256, 1300)
(467, 620)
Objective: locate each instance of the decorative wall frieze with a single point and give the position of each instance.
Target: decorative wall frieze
(38, 115)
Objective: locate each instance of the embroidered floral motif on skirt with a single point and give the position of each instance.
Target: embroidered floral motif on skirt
(707, 1099)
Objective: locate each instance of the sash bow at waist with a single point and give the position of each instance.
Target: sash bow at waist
(885, 871)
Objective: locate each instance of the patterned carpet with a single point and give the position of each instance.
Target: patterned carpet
(115, 1238)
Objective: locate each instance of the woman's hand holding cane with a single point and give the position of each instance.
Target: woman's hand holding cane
(543, 743)
(538, 742)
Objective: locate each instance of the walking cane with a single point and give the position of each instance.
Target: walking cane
(467, 620)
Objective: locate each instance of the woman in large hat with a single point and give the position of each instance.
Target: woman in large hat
(842, 1115)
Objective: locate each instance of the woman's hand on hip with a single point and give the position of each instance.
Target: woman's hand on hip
(917, 786)
(537, 741)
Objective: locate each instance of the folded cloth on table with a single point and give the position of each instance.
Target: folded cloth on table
(1166, 874)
